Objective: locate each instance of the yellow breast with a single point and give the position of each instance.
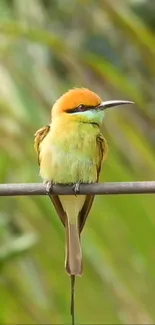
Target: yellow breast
(71, 155)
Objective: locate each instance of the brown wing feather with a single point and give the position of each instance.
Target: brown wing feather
(39, 136)
(103, 150)
(85, 210)
(59, 209)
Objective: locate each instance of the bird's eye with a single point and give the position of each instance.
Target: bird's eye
(81, 108)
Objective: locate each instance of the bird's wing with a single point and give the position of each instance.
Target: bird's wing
(38, 138)
(102, 154)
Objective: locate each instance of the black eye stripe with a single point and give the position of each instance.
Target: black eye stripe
(80, 108)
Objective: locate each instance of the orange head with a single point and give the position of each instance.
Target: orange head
(83, 104)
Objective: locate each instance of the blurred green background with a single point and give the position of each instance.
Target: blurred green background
(47, 47)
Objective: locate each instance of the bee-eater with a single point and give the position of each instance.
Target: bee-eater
(71, 149)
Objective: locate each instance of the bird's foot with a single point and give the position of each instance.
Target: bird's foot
(49, 186)
(76, 188)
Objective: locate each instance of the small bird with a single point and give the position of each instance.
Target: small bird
(71, 150)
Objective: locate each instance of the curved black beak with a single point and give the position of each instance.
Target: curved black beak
(112, 103)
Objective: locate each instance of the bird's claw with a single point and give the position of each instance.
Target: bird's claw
(76, 188)
(49, 186)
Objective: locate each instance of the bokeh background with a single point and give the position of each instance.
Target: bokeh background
(47, 47)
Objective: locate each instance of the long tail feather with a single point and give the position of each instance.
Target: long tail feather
(72, 297)
(73, 262)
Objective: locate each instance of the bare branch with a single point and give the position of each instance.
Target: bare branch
(97, 188)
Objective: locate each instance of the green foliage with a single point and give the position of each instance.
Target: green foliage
(47, 47)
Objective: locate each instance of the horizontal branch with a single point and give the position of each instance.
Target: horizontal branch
(96, 188)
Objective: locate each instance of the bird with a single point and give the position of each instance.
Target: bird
(71, 150)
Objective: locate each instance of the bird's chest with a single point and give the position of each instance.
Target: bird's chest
(71, 158)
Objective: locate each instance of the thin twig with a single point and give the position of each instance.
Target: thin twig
(96, 188)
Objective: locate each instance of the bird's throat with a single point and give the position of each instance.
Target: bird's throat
(90, 116)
